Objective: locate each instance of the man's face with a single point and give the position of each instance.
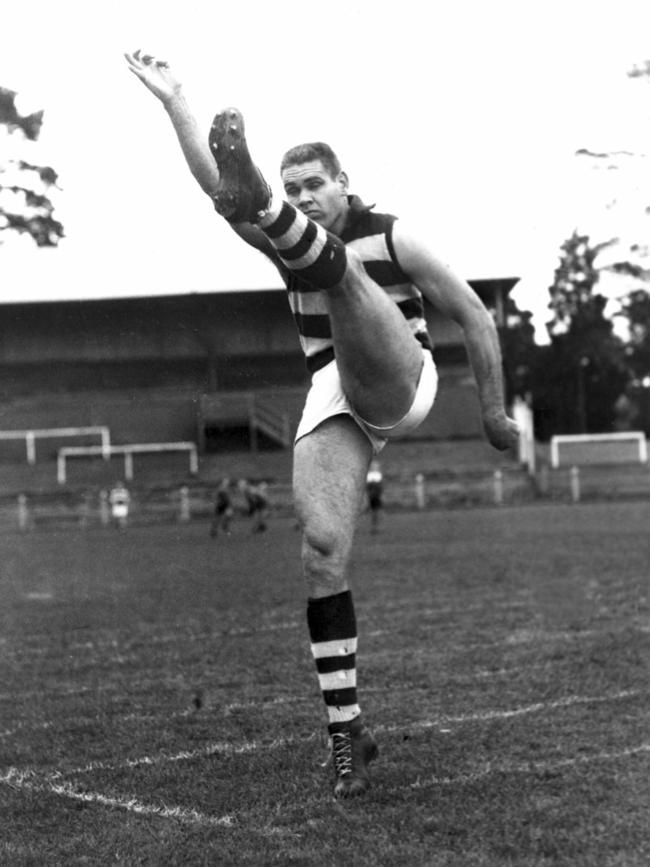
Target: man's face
(310, 188)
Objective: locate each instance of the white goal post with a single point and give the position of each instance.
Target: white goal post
(128, 451)
(638, 438)
(31, 435)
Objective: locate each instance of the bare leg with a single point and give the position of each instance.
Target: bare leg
(330, 466)
(329, 483)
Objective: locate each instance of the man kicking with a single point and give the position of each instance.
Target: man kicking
(356, 281)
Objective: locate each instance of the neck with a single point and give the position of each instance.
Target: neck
(339, 224)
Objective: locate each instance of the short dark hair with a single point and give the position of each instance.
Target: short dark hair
(314, 150)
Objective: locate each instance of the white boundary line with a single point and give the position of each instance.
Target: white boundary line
(538, 707)
(528, 768)
(226, 748)
(27, 780)
(55, 783)
(30, 782)
(220, 748)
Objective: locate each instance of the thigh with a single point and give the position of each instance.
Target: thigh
(329, 477)
(379, 359)
(326, 399)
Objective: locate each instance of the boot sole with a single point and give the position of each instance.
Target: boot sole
(242, 193)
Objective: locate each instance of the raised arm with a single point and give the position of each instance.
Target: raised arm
(158, 78)
(455, 298)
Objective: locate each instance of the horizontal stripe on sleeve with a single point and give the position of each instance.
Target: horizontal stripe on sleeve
(317, 325)
(308, 303)
(411, 309)
(319, 359)
(371, 246)
(385, 273)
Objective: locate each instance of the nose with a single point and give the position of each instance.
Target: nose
(305, 197)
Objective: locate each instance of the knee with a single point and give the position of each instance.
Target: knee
(324, 557)
(319, 547)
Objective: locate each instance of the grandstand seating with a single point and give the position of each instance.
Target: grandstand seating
(274, 412)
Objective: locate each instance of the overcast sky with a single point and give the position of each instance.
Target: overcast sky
(461, 117)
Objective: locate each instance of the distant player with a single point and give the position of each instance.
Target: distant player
(223, 510)
(257, 503)
(120, 500)
(375, 494)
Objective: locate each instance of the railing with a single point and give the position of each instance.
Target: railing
(263, 412)
(269, 421)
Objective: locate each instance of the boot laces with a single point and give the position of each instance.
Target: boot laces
(342, 753)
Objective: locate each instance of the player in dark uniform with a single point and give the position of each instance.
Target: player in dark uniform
(223, 510)
(257, 503)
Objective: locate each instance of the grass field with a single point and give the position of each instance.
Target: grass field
(158, 703)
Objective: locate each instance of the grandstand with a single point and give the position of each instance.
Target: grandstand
(187, 367)
(223, 371)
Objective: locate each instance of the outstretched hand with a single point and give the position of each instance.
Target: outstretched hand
(154, 74)
(501, 431)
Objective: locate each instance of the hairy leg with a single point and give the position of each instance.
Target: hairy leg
(329, 474)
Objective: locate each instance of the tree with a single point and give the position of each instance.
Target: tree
(578, 378)
(635, 308)
(24, 205)
(519, 350)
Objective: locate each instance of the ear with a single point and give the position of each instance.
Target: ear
(343, 181)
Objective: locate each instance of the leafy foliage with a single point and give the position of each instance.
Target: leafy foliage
(519, 350)
(636, 310)
(583, 371)
(573, 303)
(576, 380)
(24, 205)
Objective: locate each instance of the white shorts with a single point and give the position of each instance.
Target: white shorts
(326, 399)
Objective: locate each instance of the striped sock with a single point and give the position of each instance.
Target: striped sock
(306, 248)
(333, 632)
